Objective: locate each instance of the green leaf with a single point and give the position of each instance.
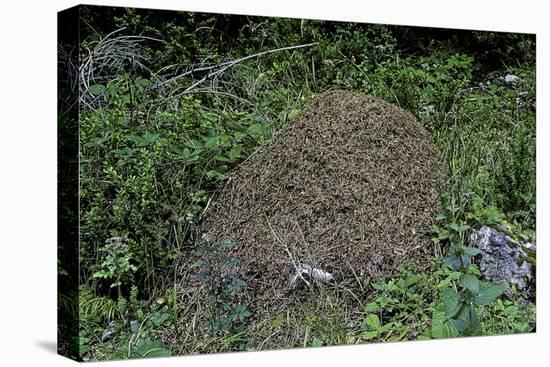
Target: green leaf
(211, 143)
(454, 227)
(470, 282)
(369, 335)
(459, 325)
(194, 144)
(316, 342)
(453, 262)
(372, 307)
(182, 153)
(465, 260)
(235, 152)
(97, 89)
(135, 139)
(452, 301)
(372, 322)
(150, 139)
(488, 292)
(471, 251)
(222, 158)
(451, 277)
(440, 328)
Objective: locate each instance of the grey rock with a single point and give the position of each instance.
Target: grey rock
(109, 332)
(503, 259)
(510, 79)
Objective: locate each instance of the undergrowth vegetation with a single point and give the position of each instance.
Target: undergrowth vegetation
(158, 136)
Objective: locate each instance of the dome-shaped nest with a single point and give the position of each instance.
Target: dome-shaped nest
(346, 188)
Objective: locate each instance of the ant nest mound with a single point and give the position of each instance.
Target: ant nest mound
(346, 190)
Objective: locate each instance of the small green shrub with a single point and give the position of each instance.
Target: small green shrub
(217, 270)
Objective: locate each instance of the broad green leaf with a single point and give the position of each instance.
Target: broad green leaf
(211, 143)
(470, 282)
(194, 144)
(135, 139)
(452, 301)
(372, 307)
(488, 292)
(183, 153)
(440, 328)
(372, 322)
(467, 318)
(150, 138)
(471, 251)
(465, 260)
(459, 325)
(369, 335)
(454, 227)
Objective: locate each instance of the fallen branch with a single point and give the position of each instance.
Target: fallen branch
(221, 68)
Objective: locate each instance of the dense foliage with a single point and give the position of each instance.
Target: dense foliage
(154, 148)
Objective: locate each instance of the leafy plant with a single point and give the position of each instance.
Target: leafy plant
(460, 306)
(117, 265)
(217, 271)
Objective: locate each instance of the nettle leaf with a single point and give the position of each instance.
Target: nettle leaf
(452, 301)
(440, 327)
(459, 325)
(470, 282)
(488, 292)
(471, 251)
(467, 321)
(465, 260)
(453, 261)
